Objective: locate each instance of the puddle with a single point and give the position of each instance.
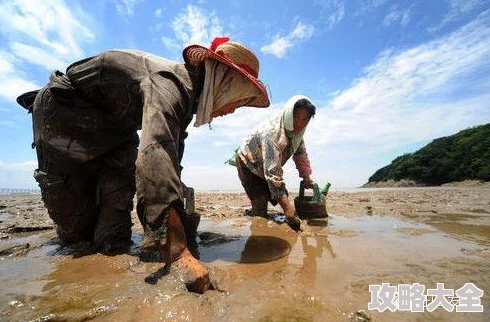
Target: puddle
(265, 272)
(24, 275)
(461, 226)
(396, 239)
(251, 249)
(243, 243)
(474, 231)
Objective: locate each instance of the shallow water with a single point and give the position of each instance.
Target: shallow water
(263, 272)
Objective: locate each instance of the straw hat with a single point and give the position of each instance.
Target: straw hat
(234, 55)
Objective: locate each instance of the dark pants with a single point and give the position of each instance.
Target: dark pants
(256, 188)
(89, 197)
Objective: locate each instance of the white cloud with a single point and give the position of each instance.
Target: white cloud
(11, 82)
(406, 17)
(400, 76)
(22, 166)
(49, 24)
(172, 44)
(459, 9)
(158, 12)
(281, 44)
(194, 26)
(409, 96)
(13, 86)
(278, 47)
(37, 56)
(403, 98)
(204, 178)
(391, 18)
(231, 129)
(302, 31)
(39, 33)
(125, 7)
(337, 14)
(17, 175)
(332, 12)
(6, 63)
(368, 6)
(395, 15)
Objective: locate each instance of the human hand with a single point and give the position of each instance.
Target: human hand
(308, 183)
(294, 223)
(288, 210)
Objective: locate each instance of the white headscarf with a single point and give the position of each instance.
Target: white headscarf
(288, 121)
(222, 85)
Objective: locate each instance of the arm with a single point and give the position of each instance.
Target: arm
(288, 210)
(274, 176)
(303, 164)
(286, 206)
(158, 162)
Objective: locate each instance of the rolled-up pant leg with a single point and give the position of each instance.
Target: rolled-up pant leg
(116, 189)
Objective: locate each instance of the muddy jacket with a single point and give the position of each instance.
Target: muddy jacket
(107, 98)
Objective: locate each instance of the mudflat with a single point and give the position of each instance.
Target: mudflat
(262, 270)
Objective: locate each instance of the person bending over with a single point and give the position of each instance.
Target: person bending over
(263, 153)
(91, 160)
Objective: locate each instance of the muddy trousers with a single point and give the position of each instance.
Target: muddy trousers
(256, 188)
(88, 201)
(92, 201)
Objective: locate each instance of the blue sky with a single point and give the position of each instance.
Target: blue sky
(387, 76)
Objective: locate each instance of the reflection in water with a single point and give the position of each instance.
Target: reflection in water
(261, 246)
(213, 246)
(261, 249)
(308, 272)
(318, 222)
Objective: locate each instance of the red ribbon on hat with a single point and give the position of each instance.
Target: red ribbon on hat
(218, 41)
(221, 40)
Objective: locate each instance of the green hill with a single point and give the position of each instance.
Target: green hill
(462, 156)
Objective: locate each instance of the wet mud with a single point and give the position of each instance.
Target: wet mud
(261, 269)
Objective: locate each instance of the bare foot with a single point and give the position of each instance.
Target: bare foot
(193, 272)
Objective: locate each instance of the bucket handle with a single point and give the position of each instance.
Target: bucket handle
(316, 191)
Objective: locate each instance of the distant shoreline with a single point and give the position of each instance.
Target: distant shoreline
(364, 187)
(411, 183)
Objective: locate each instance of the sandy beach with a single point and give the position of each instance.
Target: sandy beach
(262, 270)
